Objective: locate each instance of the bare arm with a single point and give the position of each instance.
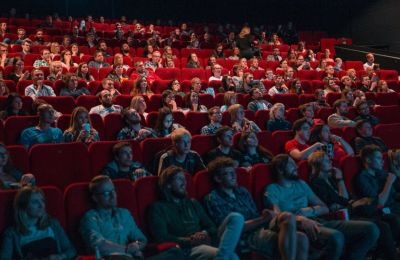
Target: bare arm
(302, 155)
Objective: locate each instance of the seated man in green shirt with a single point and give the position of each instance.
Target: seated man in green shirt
(110, 230)
(180, 219)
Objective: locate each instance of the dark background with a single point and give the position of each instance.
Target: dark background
(368, 22)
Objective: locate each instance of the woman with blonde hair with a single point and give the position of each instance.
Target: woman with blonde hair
(80, 128)
(230, 98)
(141, 87)
(239, 122)
(139, 104)
(277, 119)
(34, 235)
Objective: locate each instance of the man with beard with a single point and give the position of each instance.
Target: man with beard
(133, 128)
(258, 102)
(279, 88)
(111, 230)
(98, 61)
(126, 50)
(229, 197)
(365, 137)
(180, 154)
(329, 238)
(177, 218)
(339, 119)
(298, 148)
(106, 107)
(39, 39)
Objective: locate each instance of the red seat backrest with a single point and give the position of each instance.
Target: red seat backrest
(188, 74)
(194, 121)
(389, 133)
(261, 118)
(388, 114)
(387, 99)
(87, 101)
(56, 164)
(63, 104)
(202, 144)
(169, 73)
(289, 100)
(19, 157)
(280, 138)
(14, 125)
(113, 123)
(261, 177)
(151, 146)
(351, 166)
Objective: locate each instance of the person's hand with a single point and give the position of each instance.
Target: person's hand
(391, 177)
(25, 75)
(134, 250)
(318, 145)
(337, 173)
(28, 179)
(83, 134)
(267, 215)
(139, 172)
(143, 133)
(173, 104)
(200, 238)
(311, 227)
(335, 138)
(54, 257)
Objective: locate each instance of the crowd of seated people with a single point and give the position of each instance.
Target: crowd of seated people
(295, 216)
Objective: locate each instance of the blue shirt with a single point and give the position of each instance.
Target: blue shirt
(33, 135)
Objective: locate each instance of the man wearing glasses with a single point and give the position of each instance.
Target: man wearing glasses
(109, 230)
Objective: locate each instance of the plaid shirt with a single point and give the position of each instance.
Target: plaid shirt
(210, 129)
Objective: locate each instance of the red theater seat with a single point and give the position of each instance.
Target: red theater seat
(56, 164)
(387, 99)
(151, 146)
(388, 114)
(195, 121)
(169, 73)
(113, 123)
(19, 157)
(14, 125)
(351, 166)
(390, 134)
(202, 144)
(261, 177)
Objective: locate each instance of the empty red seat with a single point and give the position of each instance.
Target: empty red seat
(188, 74)
(306, 98)
(307, 74)
(113, 123)
(14, 125)
(331, 97)
(63, 104)
(357, 65)
(388, 114)
(202, 144)
(206, 100)
(261, 177)
(123, 100)
(261, 118)
(280, 138)
(103, 72)
(351, 166)
(195, 121)
(324, 112)
(390, 134)
(387, 99)
(169, 73)
(151, 146)
(56, 164)
(289, 100)
(388, 74)
(19, 157)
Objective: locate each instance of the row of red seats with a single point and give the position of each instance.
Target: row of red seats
(55, 164)
(70, 205)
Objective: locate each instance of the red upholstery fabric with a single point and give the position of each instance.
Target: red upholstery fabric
(113, 123)
(56, 164)
(14, 125)
(261, 177)
(195, 121)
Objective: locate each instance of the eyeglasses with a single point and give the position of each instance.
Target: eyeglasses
(107, 193)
